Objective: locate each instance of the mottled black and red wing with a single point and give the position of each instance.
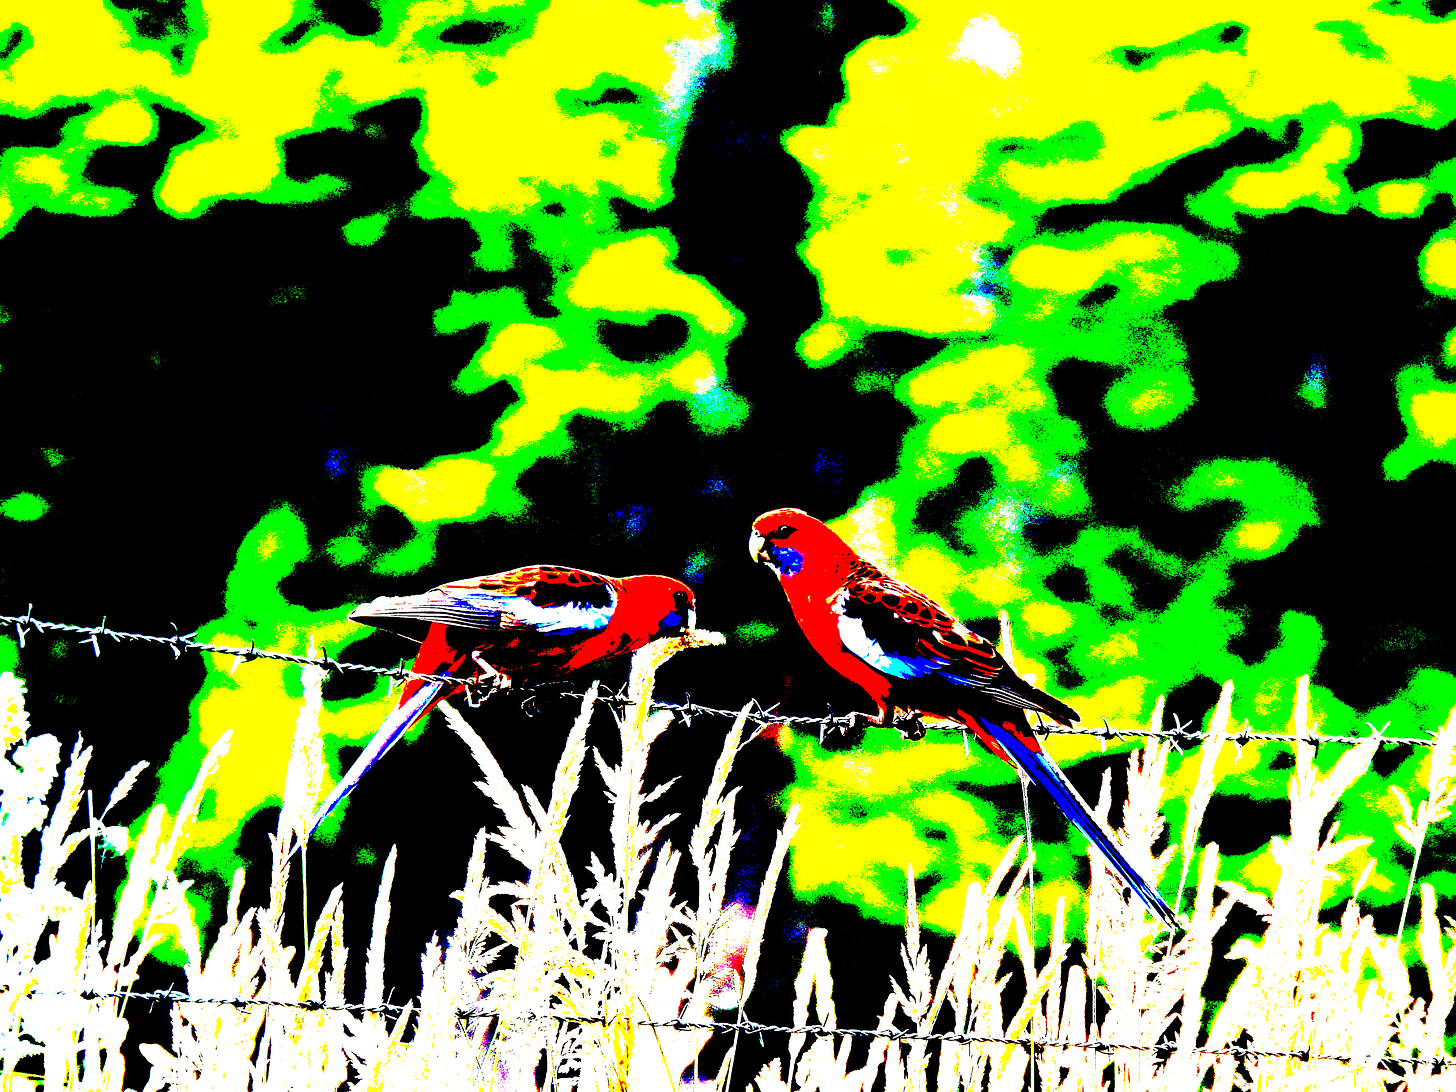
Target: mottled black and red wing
(557, 586)
(905, 634)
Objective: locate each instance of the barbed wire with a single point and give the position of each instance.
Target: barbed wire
(477, 690)
(312, 1005)
(1164, 1049)
(687, 709)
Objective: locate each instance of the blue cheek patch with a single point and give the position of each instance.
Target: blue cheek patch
(787, 560)
(673, 619)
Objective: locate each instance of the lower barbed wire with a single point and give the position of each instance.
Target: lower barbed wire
(687, 710)
(751, 1027)
(179, 997)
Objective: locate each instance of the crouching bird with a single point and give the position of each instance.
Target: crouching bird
(908, 653)
(520, 627)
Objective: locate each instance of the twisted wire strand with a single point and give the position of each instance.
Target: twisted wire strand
(180, 642)
(752, 1027)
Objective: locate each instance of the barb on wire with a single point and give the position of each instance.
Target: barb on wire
(246, 656)
(22, 625)
(99, 631)
(1163, 1049)
(179, 640)
(761, 717)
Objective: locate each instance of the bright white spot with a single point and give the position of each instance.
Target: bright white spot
(566, 618)
(692, 59)
(1009, 517)
(1005, 521)
(990, 45)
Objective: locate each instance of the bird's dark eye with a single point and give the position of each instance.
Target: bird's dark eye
(784, 531)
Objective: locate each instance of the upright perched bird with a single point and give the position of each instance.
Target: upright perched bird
(524, 626)
(907, 652)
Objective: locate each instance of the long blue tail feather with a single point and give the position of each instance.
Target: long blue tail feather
(403, 717)
(1041, 769)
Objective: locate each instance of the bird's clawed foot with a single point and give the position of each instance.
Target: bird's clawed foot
(850, 728)
(910, 726)
(487, 681)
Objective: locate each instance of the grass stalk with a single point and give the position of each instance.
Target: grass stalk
(611, 937)
(1435, 808)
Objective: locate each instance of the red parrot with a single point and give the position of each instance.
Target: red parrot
(524, 626)
(908, 652)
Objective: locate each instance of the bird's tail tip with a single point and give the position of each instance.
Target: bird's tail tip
(1040, 768)
(1060, 712)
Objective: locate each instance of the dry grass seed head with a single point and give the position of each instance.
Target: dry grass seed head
(304, 781)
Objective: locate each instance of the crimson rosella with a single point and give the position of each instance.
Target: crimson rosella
(907, 652)
(524, 626)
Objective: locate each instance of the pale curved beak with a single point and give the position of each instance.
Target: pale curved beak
(375, 608)
(758, 548)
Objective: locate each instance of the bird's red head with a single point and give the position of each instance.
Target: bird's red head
(657, 606)
(786, 538)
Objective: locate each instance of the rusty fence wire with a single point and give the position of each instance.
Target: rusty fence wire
(1162, 1050)
(477, 690)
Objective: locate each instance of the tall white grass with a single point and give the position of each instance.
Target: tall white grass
(1435, 808)
(551, 967)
